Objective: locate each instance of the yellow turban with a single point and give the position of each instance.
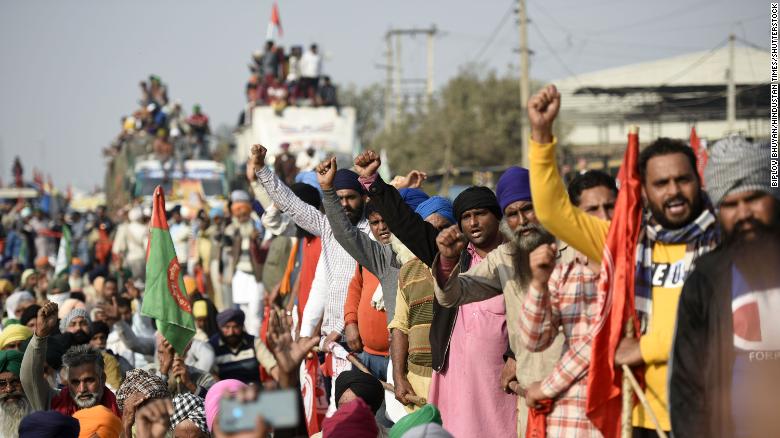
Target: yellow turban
(14, 333)
(98, 420)
(199, 309)
(6, 287)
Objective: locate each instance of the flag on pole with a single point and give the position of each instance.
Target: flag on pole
(64, 253)
(700, 151)
(276, 21)
(164, 297)
(616, 297)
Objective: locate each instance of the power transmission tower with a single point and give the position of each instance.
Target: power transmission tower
(394, 82)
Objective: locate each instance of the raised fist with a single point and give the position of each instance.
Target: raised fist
(47, 320)
(542, 261)
(326, 173)
(257, 156)
(451, 242)
(542, 109)
(367, 163)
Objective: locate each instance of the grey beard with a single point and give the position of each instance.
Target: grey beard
(11, 415)
(523, 245)
(92, 401)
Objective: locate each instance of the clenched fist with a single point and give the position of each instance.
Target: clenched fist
(542, 110)
(47, 320)
(367, 163)
(326, 173)
(257, 157)
(451, 242)
(542, 262)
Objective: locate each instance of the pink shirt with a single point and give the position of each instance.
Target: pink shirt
(468, 393)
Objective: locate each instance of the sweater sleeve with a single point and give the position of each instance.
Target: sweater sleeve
(584, 232)
(478, 283)
(36, 388)
(419, 236)
(353, 298)
(368, 253)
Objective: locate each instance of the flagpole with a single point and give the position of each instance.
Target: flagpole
(626, 429)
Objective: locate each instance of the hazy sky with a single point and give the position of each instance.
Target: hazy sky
(69, 69)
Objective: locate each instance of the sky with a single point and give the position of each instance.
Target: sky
(69, 70)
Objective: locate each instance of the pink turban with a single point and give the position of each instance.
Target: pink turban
(215, 394)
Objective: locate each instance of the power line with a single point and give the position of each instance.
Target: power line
(555, 53)
(493, 34)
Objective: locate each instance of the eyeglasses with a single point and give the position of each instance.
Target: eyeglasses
(10, 384)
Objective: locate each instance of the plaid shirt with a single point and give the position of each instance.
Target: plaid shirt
(338, 265)
(572, 304)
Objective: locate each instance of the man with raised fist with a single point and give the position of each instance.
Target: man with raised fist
(84, 371)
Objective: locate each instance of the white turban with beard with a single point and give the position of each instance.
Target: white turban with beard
(523, 240)
(14, 406)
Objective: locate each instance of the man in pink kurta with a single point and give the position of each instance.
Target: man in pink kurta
(468, 390)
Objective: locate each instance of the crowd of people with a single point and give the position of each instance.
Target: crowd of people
(391, 312)
(278, 79)
(163, 127)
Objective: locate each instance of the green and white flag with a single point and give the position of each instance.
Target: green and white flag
(64, 253)
(165, 299)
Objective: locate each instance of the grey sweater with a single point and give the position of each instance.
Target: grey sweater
(377, 258)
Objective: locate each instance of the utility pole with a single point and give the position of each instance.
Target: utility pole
(397, 81)
(393, 93)
(731, 90)
(522, 23)
(388, 81)
(429, 58)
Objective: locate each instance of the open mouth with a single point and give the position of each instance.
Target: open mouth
(476, 234)
(676, 207)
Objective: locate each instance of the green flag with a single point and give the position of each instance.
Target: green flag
(64, 253)
(164, 297)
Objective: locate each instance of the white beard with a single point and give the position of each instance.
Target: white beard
(11, 415)
(91, 402)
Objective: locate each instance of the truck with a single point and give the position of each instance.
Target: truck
(192, 183)
(325, 130)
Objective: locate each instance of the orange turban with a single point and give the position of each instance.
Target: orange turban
(100, 421)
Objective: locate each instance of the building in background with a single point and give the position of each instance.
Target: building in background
(665, 98)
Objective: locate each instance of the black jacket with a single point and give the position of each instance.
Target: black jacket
(703, 353)
(420, 237)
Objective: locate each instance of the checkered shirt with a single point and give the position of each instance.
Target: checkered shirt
(572, 304)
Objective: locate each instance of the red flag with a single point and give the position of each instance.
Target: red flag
(275, 19)
(700, 153)
(616, 295)
(315, 401)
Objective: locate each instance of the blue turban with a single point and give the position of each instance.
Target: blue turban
(413, 197)
(513, 186)
(310, 178)
(228, 315)
(348, 180)
(436, 204)
(49, 424)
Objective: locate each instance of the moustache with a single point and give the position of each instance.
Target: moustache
(16, 395)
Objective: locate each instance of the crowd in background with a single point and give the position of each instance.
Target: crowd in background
(162, 127)
(391, 312)
(278, 79)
